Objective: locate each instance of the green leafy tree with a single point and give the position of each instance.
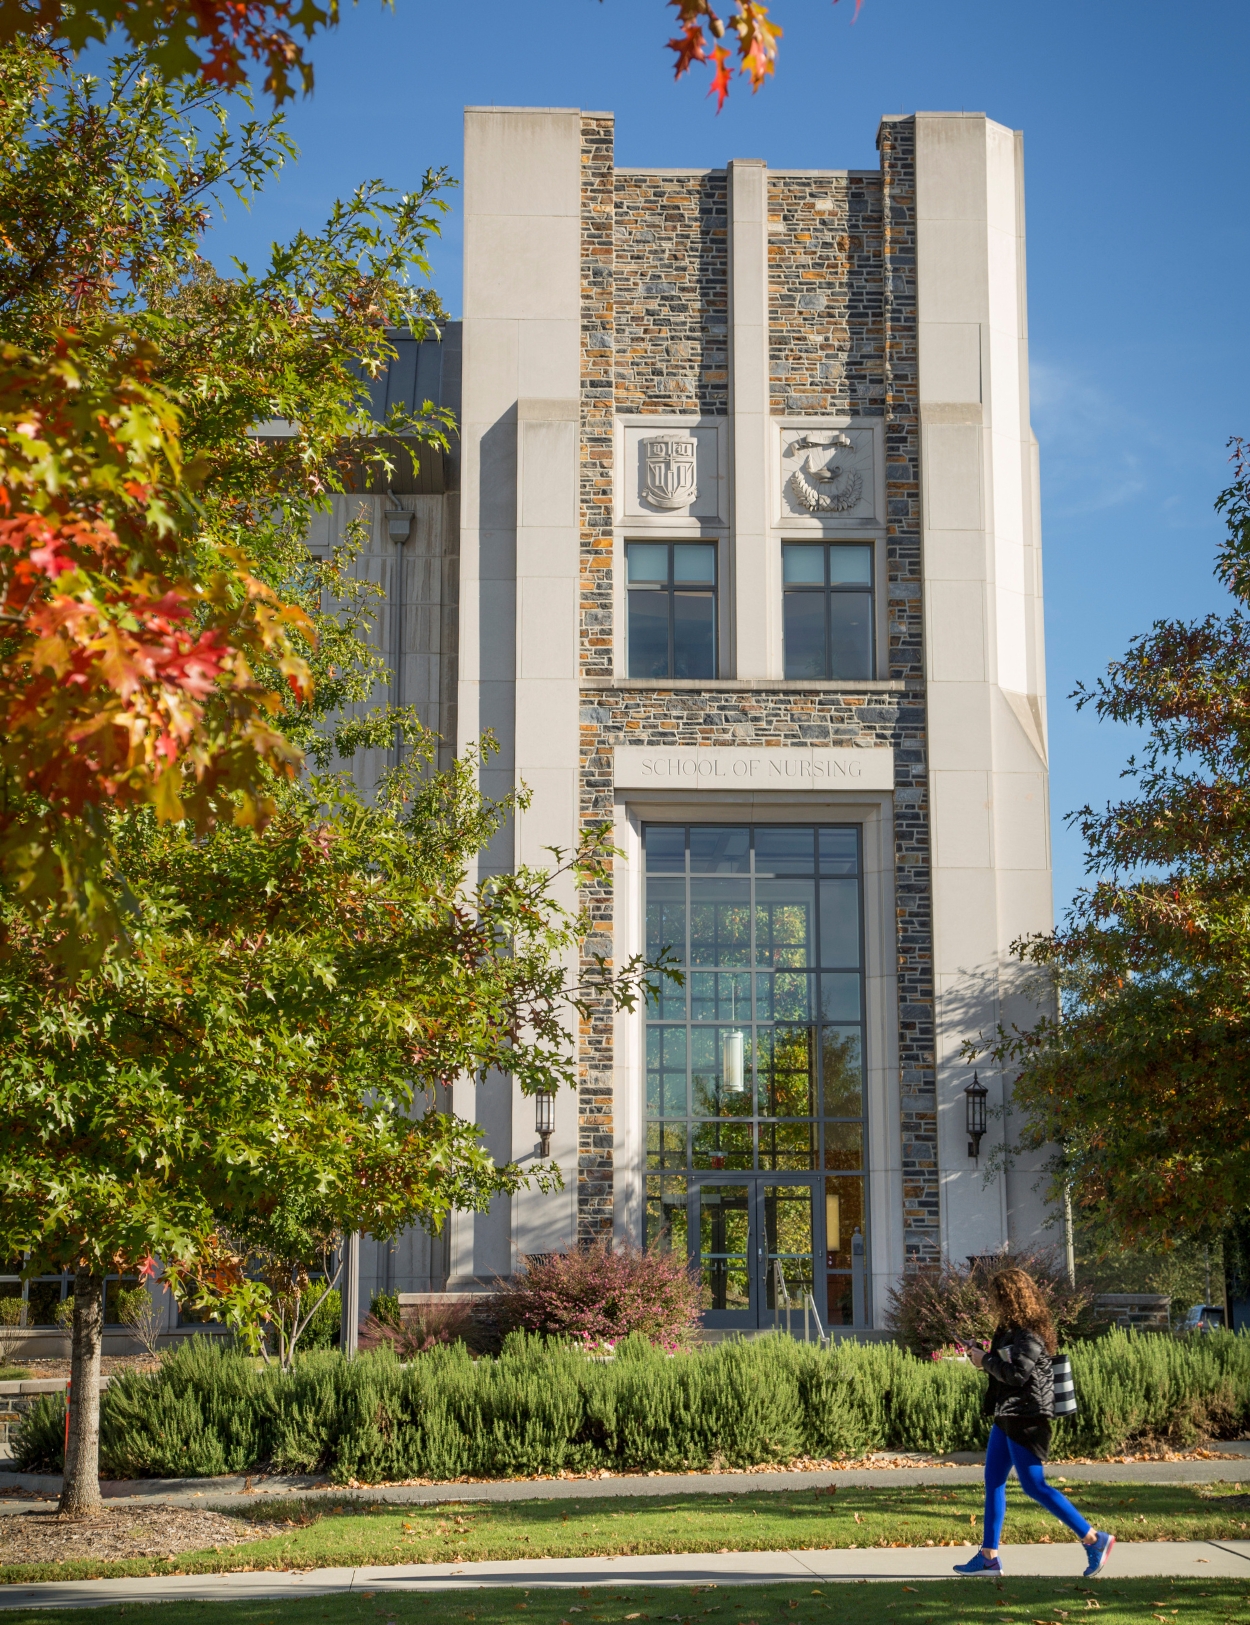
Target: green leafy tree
(274, 1047)
(1144, 1080)
(270, 1039)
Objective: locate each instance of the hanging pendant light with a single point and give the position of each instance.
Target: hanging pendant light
(733, 1063)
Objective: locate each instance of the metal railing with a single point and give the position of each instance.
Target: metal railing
(784, 1303)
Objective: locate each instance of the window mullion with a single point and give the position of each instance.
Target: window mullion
(672, 616)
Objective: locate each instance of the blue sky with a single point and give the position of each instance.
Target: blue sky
(1135, 116)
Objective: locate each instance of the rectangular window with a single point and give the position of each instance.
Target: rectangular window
(827, 593)
(755, 1067)
(672, 608)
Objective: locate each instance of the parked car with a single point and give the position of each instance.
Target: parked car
(1203, 1317)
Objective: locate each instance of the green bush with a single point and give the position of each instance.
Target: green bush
(542, 1406)
(322, 1331)
(39, 1444)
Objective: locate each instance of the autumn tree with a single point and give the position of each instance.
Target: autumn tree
(305, 967)
(126, 672)
(223, 41)
(152, 653)
(1144, 1080)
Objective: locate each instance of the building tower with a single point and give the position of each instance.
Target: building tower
(749, 570)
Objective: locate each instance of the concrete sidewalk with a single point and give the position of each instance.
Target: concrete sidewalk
(18, 1491)
(1131, 1559)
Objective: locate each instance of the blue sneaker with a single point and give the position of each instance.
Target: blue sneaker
(1099, 1552)
(980, 1564)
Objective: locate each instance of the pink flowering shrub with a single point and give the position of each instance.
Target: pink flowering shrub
(598, 1295)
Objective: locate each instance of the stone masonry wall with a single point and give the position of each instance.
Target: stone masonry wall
(825, 293)
(843, 313)
(596, 1128)
(671, 292)
(913, 874)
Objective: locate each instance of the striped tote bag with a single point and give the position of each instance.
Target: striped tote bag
(1065, 1388)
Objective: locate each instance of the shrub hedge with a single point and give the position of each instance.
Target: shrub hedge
(542, 1406)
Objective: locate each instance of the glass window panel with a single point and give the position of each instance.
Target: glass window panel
(723, 1145)
(724, 1246)
(844, 1215)
(694, 562)
(666, 1145)
(666, 998)
(720, 922)
(840, 1300)
(803, 565)
(844, 1146)
(786, 851)
(850, 634)
(789, 996)
(666, 1071)
(842, 1068)
(787, 1065)
(720, 1071)
(666, 850)
(788, 1147)
(666, 1214)
(112, 1287)
(839, 997)
(804, 634)
(648, 634)
(788, 1243)
(839, 923)
(42, 1303)
(839, 852)
(666, 918)
(785, 921)
(716, 851)
(647, 561)
(720, 996)
(694, 634)
(850, 566)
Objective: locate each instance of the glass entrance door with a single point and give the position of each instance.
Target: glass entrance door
(789, 1257)
(754, 1245)
(723, 1247)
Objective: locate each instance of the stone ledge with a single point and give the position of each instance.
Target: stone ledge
(746, 685)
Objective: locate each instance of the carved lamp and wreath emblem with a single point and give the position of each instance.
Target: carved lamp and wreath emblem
(821, 484)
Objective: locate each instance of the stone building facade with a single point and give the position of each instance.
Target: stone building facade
(749, 572)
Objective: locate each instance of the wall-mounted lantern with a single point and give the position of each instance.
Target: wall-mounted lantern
(975, 1096)
(545, 1119)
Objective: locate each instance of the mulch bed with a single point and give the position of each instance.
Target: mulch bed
(122, 1532)
(110, 1365)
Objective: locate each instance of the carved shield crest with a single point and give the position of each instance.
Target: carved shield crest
(669, 471)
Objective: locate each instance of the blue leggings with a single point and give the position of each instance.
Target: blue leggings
(1001, 1455)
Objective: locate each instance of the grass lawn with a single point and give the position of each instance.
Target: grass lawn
(329, 1533)
(928, 1602)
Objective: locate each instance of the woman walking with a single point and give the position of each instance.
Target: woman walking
(1021, 1400)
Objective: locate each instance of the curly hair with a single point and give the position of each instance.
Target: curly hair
(1020, 1303)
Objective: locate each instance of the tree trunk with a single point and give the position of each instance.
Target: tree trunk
(80, 1494)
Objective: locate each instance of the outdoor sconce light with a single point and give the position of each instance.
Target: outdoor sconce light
(976, 1095)
(398, 524)
(733, 1063)
(544, 1120)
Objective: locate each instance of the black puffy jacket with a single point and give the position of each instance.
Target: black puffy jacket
(1021, 1380)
